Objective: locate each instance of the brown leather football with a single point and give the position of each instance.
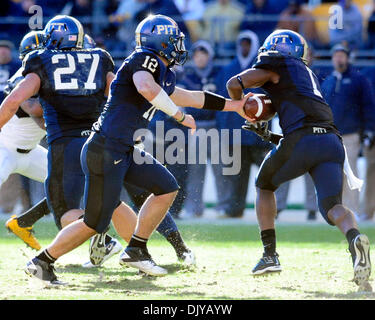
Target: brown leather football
(259, 106)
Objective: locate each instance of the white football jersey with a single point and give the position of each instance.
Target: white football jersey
(22, 133)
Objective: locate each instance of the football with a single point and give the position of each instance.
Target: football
(259, 106)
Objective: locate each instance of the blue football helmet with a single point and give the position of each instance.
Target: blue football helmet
(63, 32)
(31, 41)
(162, 35)
(88, 42)
(287, 43)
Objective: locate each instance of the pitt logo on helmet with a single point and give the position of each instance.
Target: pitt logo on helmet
(276, 39)
(58, 26)
(166, 29)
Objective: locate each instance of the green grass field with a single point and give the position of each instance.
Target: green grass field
(314, 258)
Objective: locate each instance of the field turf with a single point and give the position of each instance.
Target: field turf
(315, 261)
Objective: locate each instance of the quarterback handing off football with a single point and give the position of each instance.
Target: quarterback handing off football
(259, 107)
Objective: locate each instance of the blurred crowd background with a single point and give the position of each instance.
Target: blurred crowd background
(223, 38)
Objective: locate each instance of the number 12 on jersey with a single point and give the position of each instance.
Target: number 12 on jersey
(150, 64)
(71, 68)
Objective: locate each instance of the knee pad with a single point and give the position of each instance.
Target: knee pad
(57, 214)
(98, 227)
(171, 186)
(97, 221)
(263, 181)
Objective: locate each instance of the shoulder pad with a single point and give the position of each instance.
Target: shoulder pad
(269, 55)
(30, 56)
(33, 55)
(145, 61)
(109, 63)
(268, 60)
(106, 53)
(32, 63)
(144, 52)
(100, 50)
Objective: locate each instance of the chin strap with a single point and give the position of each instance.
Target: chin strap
(353, 181)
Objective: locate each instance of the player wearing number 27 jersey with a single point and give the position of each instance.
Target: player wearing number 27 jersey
(72, 87)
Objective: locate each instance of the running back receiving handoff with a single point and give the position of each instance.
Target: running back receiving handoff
(311, 143)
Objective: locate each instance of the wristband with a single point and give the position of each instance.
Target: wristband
(213, 101)
(240, 82)
(164, 103)
(182, 119)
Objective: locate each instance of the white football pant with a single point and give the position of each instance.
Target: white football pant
(32, 165)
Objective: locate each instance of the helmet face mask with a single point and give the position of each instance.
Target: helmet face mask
(161, 35)
(180, 49)
(178, 53)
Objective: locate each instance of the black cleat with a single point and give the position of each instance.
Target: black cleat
(43, 271)
(140, 258)
(360, 251)
(267, 264)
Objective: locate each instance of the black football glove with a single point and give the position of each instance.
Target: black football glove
(259, 128)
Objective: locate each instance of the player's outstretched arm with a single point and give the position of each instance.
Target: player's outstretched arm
(250, 78)
(151, 91)
(208, 100)
(23, 91)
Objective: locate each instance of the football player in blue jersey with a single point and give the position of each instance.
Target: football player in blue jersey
(29, 135)
(22, 225)
(72, 83)
(167, 228)
(145, 82)
(310, 143)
